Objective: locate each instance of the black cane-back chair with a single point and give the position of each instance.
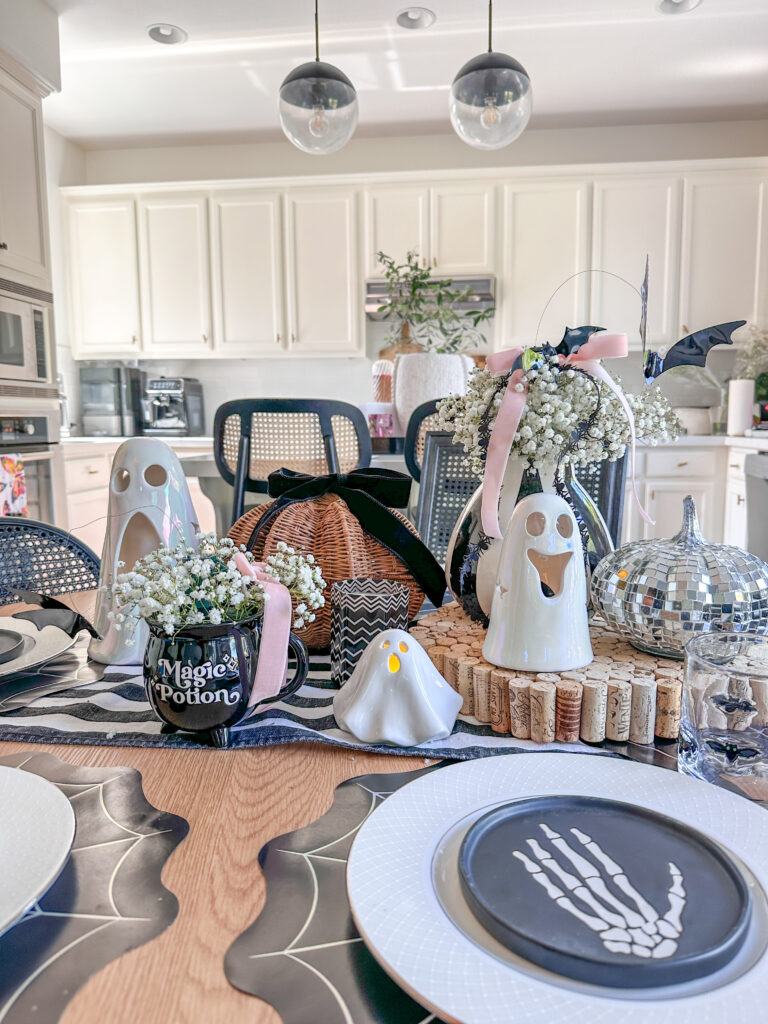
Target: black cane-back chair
(423, 420)
(604, 482)
(253, 437)
(39, 557)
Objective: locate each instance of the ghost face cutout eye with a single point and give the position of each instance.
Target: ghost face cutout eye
(564, 525)
(385, 645)
(403, 646)
(535, 524)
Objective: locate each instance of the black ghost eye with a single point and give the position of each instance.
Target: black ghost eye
(564, 525)
(535, 524)
(155, 475)
(120, 480)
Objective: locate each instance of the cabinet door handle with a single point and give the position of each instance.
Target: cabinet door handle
(205, 338)
(434, 261)
(653, 494)
(133, 339)
(92, 472)
(3, 245)
(293, 337)
(733, 465)
(681, 464)
(278, 337)
(739, 499)
(424, 261)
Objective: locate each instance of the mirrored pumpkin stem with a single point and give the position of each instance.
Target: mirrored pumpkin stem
(690, 533)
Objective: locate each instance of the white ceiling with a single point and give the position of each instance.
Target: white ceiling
(592, 62)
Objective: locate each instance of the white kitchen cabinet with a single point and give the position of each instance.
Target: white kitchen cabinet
(724, 265)
(546, 241)
(322, 271)
(103, 277)
(23, 213)
(396, 222)
(634, 217)
(174, 271)
(663, 501)
(247, 278)
(452, 227)
(462, 235)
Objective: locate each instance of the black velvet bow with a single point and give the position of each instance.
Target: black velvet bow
(366, 493)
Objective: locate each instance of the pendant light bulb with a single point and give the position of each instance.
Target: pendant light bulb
(490, 100)
(318, 105)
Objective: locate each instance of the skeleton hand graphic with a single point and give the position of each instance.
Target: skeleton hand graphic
(630, 926)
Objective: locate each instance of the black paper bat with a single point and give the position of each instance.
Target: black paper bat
(574, 338)
(731, 704)
(691, 350)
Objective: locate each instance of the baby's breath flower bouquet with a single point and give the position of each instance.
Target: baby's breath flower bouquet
(569, 416)
(188, 586)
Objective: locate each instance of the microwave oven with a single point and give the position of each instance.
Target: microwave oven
(24, 354)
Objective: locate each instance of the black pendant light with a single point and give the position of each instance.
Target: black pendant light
(490, 101)
(318, 105)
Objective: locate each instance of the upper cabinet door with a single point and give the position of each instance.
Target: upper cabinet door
(546, 241)
(725, 250)
(175, 275)
(324, 291)
(246, 252)
(632, 218)
(103, 277)
(462, 229)
(23, 237)
(395, 224)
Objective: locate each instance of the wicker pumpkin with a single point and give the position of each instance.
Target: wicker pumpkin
(327, 529)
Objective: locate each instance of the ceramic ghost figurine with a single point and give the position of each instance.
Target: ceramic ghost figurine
(539, 612)
(396, 695)
(149, 507)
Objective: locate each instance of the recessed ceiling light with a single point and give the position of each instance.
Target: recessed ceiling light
(416, 17)
(163, 33)
(677, 6)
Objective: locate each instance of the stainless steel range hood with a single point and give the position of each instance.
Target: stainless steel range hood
(481, 295)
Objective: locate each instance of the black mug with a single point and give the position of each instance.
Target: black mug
(199, 679)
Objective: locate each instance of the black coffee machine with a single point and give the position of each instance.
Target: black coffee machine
(173, 407)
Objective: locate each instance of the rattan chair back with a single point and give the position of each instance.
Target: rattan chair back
(37, 556)
(253, 437)
(423, 420)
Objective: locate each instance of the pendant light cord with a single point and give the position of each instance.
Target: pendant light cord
(490, 26)
(317, 35)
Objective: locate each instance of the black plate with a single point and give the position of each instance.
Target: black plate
(639, 846)
(11, 644)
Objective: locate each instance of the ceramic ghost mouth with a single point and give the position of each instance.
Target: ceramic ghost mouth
(551, 570)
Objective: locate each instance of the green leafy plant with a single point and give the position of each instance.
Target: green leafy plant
(427, 308)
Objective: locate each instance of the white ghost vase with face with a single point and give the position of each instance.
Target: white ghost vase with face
(538, 619)
(149, 507)
(396, 695)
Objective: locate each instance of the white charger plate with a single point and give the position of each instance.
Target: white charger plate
(402, 892)
(37, 829)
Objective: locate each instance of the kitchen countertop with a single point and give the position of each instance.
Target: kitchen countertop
(180, 442)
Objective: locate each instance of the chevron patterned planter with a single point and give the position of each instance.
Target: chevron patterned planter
(360, 609)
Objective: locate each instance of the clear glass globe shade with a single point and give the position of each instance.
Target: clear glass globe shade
(318, 108)
(490, 101)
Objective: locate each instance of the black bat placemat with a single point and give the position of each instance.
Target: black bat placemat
(107, 900)
(303, 954)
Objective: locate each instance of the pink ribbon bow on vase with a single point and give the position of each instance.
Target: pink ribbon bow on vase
(275, 631)
(586, 358)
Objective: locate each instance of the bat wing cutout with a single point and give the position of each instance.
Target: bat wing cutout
(691, 350)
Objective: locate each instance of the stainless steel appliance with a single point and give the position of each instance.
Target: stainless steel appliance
(173, 407)
(110, 400)
(24, 348)
(34, 435)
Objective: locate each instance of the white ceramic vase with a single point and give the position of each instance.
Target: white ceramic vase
(149, 507)
(538, 617)
(396, 695)
(419, 377)
(741, 406)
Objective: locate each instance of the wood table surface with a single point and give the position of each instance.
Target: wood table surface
(234, 801)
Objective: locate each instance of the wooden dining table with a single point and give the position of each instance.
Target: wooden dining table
(235, 801)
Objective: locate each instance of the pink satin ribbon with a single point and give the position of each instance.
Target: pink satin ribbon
(599, 346)
(275, 631)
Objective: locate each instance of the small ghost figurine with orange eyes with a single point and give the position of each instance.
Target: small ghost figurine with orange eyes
(396, 695)
(538, 617)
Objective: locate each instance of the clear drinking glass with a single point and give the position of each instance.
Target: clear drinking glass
(724, 724)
